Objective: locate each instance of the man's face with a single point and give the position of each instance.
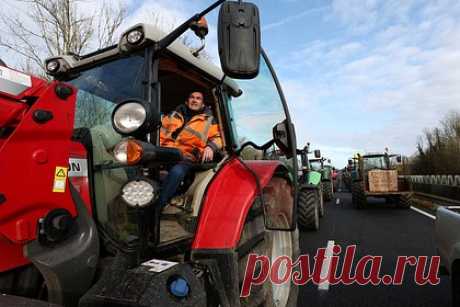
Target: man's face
(195, 101)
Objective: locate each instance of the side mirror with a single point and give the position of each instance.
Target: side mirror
(350, 162)
(282, 138)
(317, 153)
(239, 39)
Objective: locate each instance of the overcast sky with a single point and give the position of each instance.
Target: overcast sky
(359, 75)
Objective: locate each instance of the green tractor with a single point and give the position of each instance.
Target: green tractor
(310, 207)
(318, 165)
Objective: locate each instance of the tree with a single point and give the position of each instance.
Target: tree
(52, 27)
(439, 150)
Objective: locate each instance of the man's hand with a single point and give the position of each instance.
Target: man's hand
(208, 154)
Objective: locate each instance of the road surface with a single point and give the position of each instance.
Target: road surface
(380, 230)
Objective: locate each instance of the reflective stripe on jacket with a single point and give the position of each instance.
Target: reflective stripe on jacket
(192, 138)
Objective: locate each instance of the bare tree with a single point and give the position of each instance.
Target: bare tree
(439, 150)
(52, 27)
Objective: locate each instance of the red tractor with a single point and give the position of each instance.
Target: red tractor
(81, 168)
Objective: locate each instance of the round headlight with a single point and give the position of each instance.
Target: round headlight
(52, 66)
(129, 117)
(135, 36)
(138, 193)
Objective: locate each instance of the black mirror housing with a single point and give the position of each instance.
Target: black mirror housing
(239, 39)
(282, 138)
(317, 153)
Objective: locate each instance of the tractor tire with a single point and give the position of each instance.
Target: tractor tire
(274, 244)
(308, 209)
(24, 281)
(405, 201)
(328, 192)
(319, 195)
(357, 195)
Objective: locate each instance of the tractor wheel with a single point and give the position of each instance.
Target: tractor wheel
(272, 244)
(319, 195)
(328, 193)
(308, 209)
(357, 195)
(25, 281)
(405, 201)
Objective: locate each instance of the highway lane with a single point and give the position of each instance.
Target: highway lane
(380, 230)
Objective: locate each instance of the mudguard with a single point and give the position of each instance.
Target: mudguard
(228, 200)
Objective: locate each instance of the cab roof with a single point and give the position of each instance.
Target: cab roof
(154, 34)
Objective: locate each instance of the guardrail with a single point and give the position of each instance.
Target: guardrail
(447, 186)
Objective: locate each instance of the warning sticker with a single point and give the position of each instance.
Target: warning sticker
(60, 177)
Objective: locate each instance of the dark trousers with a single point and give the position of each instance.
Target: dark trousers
(172, 181)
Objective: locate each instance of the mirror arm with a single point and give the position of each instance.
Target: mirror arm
(171, 37)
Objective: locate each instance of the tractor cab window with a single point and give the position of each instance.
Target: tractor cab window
(256, 112)
(377, 162)
(102, 87)
(316, 165)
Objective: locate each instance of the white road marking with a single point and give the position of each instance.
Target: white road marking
(423, 213)
(337, 201)
(326, 268)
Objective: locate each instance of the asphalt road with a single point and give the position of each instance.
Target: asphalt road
(380, 230)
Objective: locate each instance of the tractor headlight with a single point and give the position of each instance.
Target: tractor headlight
(135, 36)
(52, 66)
(139, 193)
(128, 151)
(128, 117)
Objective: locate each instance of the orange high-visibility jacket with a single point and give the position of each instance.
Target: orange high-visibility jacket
(192, 138)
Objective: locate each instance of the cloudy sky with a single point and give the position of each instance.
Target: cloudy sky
(359, 75)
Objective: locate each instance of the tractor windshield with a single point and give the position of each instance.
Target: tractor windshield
(258, 109)
(100, 88)
(316, 165)
(376, 162)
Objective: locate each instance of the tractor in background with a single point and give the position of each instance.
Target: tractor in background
(310, 207)
(319, 165)
(376, 175)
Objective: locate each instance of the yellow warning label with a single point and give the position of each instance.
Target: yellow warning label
(60, 177)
